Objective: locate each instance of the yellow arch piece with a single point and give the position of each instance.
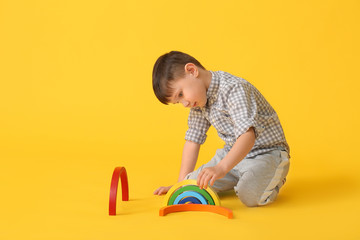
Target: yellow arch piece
(186, 182)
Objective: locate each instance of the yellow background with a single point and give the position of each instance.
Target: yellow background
(76, 101)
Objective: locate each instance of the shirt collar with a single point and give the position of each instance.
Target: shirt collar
(212, 91)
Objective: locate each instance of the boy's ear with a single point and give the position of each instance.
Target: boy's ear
(191, 69)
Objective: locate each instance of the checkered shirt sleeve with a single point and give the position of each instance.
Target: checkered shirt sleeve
(243, 108)
(198, 126)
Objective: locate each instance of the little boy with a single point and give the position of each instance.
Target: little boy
(255, 159)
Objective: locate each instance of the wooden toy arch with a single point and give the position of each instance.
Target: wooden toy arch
(119, 172)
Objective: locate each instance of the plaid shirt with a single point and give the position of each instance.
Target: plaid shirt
(233, 106)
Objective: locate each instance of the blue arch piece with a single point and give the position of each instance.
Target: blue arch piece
(189, 199)
(190, 194)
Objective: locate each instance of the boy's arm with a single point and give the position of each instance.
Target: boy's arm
(240, 149)
(189, 159)
(188, 162)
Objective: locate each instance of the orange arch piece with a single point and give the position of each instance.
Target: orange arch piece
(196, 207)
(119, 172)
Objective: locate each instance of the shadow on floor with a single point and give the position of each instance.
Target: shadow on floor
(318, 190)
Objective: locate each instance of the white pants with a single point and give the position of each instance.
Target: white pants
(256, 180)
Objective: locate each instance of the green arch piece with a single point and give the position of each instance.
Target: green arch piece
(194, 188)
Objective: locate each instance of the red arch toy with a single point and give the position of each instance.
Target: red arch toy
(119, 172)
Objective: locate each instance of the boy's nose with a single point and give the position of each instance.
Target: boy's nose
(185, 103)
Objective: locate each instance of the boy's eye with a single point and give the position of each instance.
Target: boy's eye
(180, 94)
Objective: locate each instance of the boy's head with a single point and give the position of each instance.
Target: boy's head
(179, 77)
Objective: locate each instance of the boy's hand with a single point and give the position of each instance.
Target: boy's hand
(210, 174)
(162, 190)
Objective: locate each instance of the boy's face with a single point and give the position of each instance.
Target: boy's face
(189, 91)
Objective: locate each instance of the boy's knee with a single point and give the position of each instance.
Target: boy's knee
(248, 200)
(246, 196)
(252, 198)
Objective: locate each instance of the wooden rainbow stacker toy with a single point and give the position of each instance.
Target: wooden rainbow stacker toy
(187, 196)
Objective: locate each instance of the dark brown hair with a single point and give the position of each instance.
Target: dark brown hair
(168, 68)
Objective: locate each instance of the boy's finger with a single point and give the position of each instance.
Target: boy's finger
(212, 181)
(206, 181)
(201, 182)
(199, 178)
